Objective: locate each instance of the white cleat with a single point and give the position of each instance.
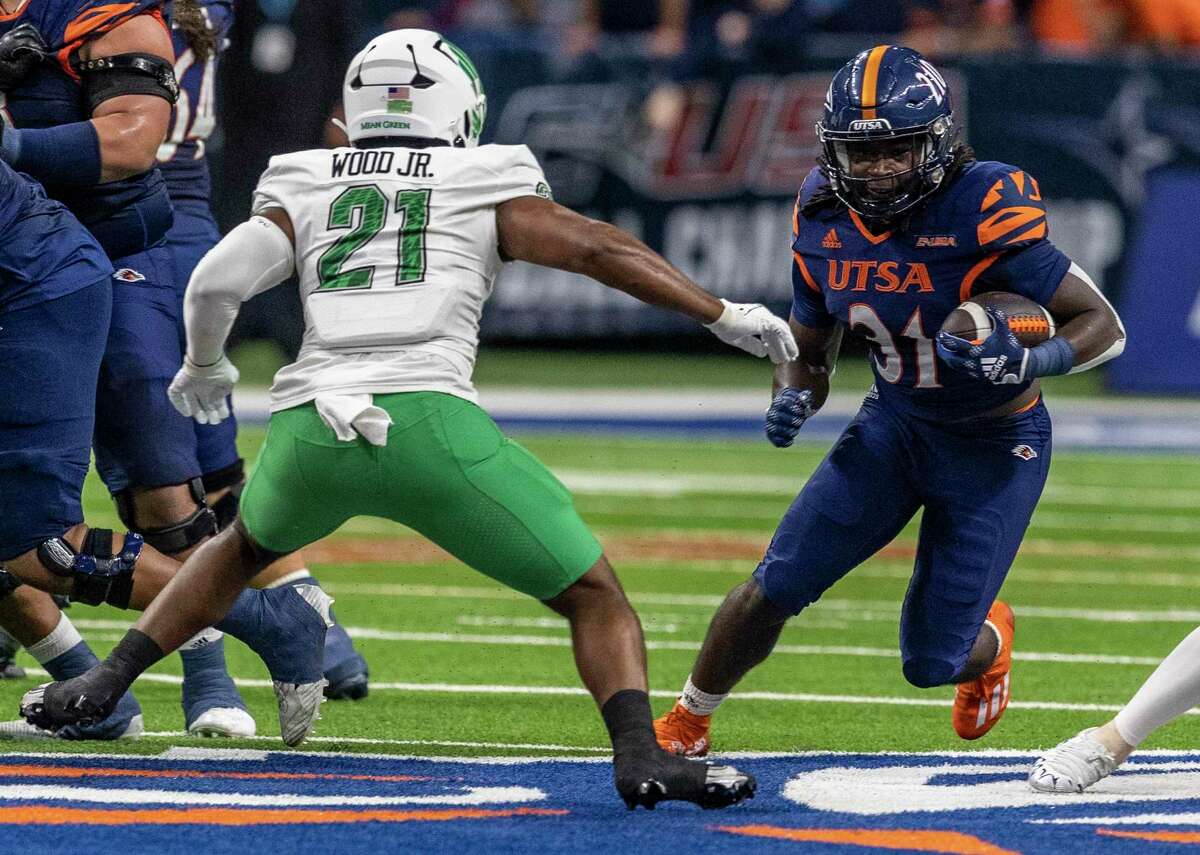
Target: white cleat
(224, 722)
(21, 729)
(299, 709)
(1072, 766)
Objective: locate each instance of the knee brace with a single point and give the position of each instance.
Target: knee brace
(8, 583)
(97, 575)
(226, 507)
(170, 539)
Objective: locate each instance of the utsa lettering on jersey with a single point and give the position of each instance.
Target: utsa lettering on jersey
(897, 225)
(396, 241)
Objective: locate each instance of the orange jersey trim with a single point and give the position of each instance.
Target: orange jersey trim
(812, 283)
(95, 22)
(870, 86)
(865, 232)
(1027, 407)
(20, 10)
(968, 282)
(1006, 221)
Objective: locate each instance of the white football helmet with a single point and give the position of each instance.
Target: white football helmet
(414, 83)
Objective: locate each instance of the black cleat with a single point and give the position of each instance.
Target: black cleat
(709, 786)
(84, 700)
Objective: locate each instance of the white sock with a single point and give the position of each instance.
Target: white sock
(203, 638)
(62, 638)
(697, 702)
(1172, 690)
(294, 576)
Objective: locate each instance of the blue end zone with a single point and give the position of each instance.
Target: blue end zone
(218, 801)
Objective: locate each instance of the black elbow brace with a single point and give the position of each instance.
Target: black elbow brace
(126, 74)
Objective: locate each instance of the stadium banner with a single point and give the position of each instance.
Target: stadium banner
(711, 180)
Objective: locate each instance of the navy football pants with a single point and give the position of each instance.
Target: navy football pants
(49, 360)
(978, 484)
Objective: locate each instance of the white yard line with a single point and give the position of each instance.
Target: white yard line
(579, 691)
(852, 607)
(666, 484)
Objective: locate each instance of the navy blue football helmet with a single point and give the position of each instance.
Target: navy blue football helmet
(887, 104)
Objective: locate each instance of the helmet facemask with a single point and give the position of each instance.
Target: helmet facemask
(881, 174)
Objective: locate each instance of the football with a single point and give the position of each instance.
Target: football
(1031, 324)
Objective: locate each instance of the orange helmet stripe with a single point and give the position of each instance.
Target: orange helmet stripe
(871, 80)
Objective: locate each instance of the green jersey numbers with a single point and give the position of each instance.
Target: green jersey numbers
(363, 211)
(413, 205)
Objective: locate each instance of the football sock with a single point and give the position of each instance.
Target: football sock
(204, 638)
(1172, 690)
(303, 575)
(697, 702)
(63, 650)
(133, 654)
(630, 723)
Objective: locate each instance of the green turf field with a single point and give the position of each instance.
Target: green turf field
(1114, 549)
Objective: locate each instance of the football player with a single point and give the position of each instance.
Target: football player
(1092, 754)
(88, 88)
(199, 31)
(55, 306)
(397, 241)
(897, 225)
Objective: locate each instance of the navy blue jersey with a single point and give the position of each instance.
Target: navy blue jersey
(44, 252)
(986, 231)
(181, 157)
(123, 214)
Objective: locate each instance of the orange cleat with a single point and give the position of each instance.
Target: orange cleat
(979, 704)
(683, 732)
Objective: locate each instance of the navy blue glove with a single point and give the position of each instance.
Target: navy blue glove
(999, 359)
(787, 414)
(22, 49)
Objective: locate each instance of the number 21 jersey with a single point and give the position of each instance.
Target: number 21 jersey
(396, 252)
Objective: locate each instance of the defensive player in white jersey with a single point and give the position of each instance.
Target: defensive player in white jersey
(397, 240)
(1168, 693)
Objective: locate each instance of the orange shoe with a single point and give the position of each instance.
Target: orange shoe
(683, 732)
(979, 704)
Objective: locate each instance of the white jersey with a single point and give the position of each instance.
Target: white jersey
(396, 251)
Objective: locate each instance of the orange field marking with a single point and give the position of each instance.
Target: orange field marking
(47, 815)
(1159, 836)
(895, 838)
(34, 771)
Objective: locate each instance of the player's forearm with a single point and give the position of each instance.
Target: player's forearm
(1091, 327)
(250, 259)
(813, 367)
(798, 375)
(619, 260)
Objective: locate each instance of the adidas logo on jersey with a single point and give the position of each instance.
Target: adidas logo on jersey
(831, 240)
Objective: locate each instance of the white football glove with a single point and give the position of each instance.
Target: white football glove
(200, 391)
(755, 329)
